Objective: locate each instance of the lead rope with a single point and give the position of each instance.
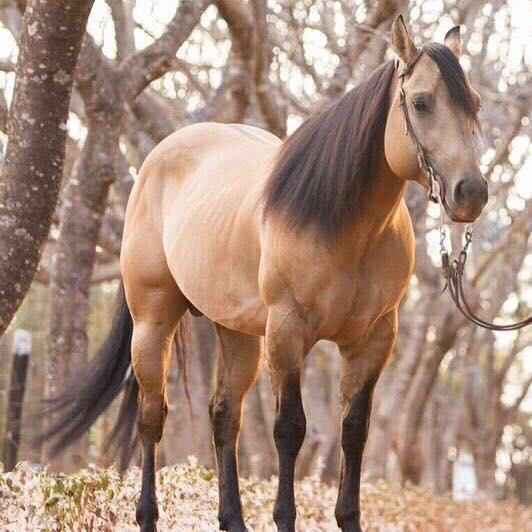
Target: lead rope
(453, 273)
(453, 269)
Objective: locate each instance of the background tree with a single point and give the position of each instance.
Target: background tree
(453, 394)
(33, 163)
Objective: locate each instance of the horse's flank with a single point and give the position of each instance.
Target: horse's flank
(201, 199)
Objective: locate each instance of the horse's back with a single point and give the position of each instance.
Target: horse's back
(199, 195)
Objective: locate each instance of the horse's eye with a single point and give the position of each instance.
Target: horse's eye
(420, 105)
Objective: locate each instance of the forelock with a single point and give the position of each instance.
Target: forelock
(454, 77)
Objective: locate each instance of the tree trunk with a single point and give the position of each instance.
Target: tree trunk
(84, 202)
(32, 170)
(417, 399)
(392, 388)
(85, 199)
(485, 466)
(257, 448)
(322, 406)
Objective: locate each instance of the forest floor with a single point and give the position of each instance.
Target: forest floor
(99, 500)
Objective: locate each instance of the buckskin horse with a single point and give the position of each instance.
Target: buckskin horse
(292, 241)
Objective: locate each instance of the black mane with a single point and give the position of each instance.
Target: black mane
(326, 164)
(325, 167)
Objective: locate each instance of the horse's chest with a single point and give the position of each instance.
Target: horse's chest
(350, 301)
(339, 292)
(374, 294)
(347, 309)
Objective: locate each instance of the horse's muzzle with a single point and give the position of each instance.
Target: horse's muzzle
(469, 197)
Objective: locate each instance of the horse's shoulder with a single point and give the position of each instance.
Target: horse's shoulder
(404, 219)
(399, 242)
(403, 227)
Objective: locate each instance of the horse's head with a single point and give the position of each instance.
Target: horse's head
(441, 107)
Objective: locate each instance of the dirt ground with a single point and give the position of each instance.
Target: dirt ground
(99, 500)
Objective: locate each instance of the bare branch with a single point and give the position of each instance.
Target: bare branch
(240, 66)
(155, 60)
(522, 396)
(124, 24)
(358, 40)
(274, 116)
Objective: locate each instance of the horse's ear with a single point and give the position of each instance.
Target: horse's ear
(453, 41)
(402, 43)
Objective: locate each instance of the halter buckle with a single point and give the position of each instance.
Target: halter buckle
(434, 184)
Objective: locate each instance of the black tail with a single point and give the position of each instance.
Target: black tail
(88, 395)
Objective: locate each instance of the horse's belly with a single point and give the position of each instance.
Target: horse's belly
(224, 292)
(213, 253)
(247, 316)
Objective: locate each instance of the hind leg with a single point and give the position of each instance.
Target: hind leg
(237, 368)
(156, 312)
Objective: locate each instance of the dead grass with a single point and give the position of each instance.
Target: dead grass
(99, 500)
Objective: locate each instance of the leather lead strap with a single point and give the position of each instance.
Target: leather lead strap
(454, 275)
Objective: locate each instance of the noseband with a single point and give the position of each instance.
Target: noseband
(453, 269)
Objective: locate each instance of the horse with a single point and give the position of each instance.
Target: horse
(281, 244)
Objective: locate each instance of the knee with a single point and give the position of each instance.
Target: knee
(153, 412)
(217, 414)
(225, 425)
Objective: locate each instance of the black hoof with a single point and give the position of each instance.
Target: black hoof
(232, 524)
(235, 528)
(350, 526)
(147, 519)
(285, 525)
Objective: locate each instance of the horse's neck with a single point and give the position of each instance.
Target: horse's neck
(379, 208)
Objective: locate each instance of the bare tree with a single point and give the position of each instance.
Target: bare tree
(33, 165)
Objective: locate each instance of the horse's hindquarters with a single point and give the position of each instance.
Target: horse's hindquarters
(203, 196)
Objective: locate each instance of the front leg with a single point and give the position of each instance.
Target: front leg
(285, 352)
(361, 367)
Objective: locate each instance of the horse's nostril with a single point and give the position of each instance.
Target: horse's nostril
(484, 193)
(461, 191)
(468, 190)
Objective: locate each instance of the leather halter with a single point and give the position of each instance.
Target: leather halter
(453, 269)
(423, 160)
